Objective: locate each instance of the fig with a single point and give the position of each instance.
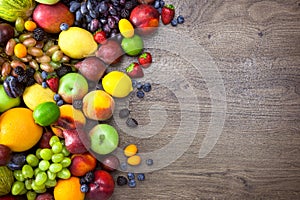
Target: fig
(91, 68)
(110, 53)
(6, 32)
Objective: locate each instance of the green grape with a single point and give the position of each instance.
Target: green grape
(36, 187)
(55, 167)
(31, 195)
(41, 191)
(24, 191)
(46, 154)
(50, 183)
(27, 171)
(53, 140)
(44, 165)
(32, 160)
(17, 187)
(57, 147)
(51, 175)
(19, 175)
(56, 158)
(65, 151)
(66, 162)
(28, 183)
(41, 178)
(38, 153)
(37, 170)
(64, 173)
(62, 142)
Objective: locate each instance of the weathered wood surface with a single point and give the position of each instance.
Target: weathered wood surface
(255, 45)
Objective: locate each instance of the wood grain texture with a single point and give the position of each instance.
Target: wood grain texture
(256, 46)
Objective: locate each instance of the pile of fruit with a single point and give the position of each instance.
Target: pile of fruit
(58, 87)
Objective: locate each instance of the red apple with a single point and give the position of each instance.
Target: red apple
(82, 163)
(45, 196)
(50, 17)
(102, 187)
(73, 141)
(145, 18)
(5, 154)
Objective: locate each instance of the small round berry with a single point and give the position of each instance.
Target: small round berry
(64, 26)
(162, 4)
(180, 19)
(82, 181)
(89, 176)
(44, 84)
(56, 97)
(156, 4)
(84, 188)
(123, 166)
(139, 86)
(132, 183)
(140, 94)
(44, 75)
(134, 83)
(174, 22)
(122, 180)
(130, 176)
(149, 162)
(60, 102)
(147, 87)
(141, 177)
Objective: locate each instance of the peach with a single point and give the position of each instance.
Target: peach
(69, 119)
(82, 163)
(98, 105)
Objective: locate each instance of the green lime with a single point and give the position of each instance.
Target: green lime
(132, 46)
(46, 113)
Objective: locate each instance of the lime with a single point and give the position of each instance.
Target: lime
(46, 113)
(132, 46)
(117, 84)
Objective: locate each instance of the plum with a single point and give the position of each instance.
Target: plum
(6, 32)
(91, 68)
(110, 53)
(5, 154)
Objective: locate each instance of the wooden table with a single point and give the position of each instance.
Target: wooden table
(236, 99)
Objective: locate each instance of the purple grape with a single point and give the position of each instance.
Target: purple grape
(103, 20)
(78, 15)
(83, 8)
(122, 2)
(94, 25)
(111, 22)
(112, 11)
(106, 28)
(117, 18)
(103, 7)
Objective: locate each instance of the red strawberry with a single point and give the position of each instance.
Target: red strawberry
(134, 70)
(167, 14)
(100, 37)
(145, 59)
(52, 83)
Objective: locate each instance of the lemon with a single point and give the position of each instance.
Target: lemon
(77, 42)
(36, 94)
(117, 84)
(46, 113)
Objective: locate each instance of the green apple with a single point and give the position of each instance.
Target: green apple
(7, 102)
(132, 46)
(72, 86)
(49, 2)
(104, 139)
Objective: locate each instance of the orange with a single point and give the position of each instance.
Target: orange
(18, 130)
(68, 189)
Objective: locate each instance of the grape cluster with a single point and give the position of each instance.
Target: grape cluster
(104, 14)
(41, 170)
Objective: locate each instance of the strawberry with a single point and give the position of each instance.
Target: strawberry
(100, 37)
(134, 70)
(52, 83)
(167, 14)
(145, 59)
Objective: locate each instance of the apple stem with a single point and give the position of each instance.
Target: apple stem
(101, 138)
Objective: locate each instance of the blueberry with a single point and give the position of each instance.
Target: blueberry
(130, 176)
(44, 75)
(140, 94)
(141, 177)
(132, 183)
(134, 83)
(156, 4)
(84, 188)
(19, 159)
(64, 26)
(149, 162)
(132, 123)
(174, 22)
(60, 102)
(180, 19)
(56, 97)
(162, 4)
(122, 180)
(139, 85)
(82, 180)
(147, 87)
(123, 166)
(44, 84)
(89, 176)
